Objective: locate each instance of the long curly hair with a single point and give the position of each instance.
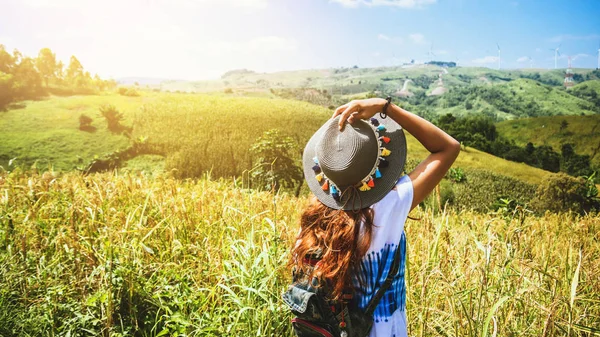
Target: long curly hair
(342, 239)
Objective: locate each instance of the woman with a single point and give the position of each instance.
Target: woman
(353, 166)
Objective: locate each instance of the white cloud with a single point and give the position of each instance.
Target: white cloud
(566, 37)
(417, 38)
(391, 3)
(523, 59)
(485, 60)
(383, 37)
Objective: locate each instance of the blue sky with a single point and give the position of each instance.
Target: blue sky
(199, 39)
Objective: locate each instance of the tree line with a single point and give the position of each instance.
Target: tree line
(480, 132)
(23, 77)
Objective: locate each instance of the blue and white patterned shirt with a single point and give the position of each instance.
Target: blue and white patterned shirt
(388, 236)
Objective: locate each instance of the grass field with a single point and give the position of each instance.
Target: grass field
(47, 131)
(128, 254)
(581, 131)
(209, 130)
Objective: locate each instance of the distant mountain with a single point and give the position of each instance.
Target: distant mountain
(143, 81)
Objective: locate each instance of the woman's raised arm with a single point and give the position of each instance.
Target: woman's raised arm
(443, 148)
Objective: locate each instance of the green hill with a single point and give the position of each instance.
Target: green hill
(582, 131)
(196, 132)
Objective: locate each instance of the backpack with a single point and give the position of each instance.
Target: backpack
(317, 316)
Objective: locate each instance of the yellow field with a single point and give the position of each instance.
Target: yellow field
(127, 254)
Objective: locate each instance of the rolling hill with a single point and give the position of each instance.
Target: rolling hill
(581, 131)
(216, 129)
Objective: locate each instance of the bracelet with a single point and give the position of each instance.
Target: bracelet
(383, 113)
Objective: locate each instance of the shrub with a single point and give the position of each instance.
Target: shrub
(85, 123)
(128, 92)
(563, 193)
(457, 175)
(228, 91)
(113, 117)
(483, 188)
(274, 166)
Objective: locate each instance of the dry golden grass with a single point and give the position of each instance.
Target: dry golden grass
(125, 254)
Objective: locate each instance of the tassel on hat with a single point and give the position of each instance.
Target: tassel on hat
(364, 187)
(319, 177)
(334, 192)
(381, 127)
(385, 152)
(371, 183)
(385, 139)
(316, 168)
(325, 186)
(383, 163)
(377, 173)
(374, 121)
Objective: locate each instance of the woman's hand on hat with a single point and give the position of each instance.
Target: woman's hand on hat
(358, 109)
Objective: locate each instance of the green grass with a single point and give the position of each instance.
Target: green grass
(200, 132)
(582, 131)
(47, 131)
(127, 254)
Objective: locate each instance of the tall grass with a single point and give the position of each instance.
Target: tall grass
(126, 254)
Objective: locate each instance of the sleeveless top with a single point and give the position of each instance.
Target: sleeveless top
(388, 236)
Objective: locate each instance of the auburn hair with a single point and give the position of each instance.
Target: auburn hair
(339, 237)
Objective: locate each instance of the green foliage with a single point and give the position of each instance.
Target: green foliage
(482, 189)
(480, 132)
(131, 92)
(46, 64)
(24, 78)
(456, 174)
(274, 161)
(581, 131)
(562, 193)
(113, 117)
(85, 123)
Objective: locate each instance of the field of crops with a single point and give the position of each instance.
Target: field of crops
(118, 254)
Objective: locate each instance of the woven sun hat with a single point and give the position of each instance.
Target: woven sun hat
(356, 167)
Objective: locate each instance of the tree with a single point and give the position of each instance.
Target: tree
(6, 89)
(273, 161)
(27, 80)
(74, 71)
(7, 62)
(113, 117)
(562, 193)
(46, 64)
(563, 125)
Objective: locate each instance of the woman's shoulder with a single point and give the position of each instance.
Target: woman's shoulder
(399, 197)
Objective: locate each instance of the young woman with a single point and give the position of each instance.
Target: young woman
(353, 165)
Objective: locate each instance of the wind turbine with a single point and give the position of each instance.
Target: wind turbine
(530, 62)
(430, 53)
(498, 55)
(556, 55)
(598, 55)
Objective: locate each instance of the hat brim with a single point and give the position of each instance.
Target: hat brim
(389, 174)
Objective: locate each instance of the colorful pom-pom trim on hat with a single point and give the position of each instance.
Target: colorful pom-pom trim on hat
(368, 182)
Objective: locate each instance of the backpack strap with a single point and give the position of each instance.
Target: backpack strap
(385, 285)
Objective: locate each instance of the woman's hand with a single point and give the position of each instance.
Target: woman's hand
(361, 109)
